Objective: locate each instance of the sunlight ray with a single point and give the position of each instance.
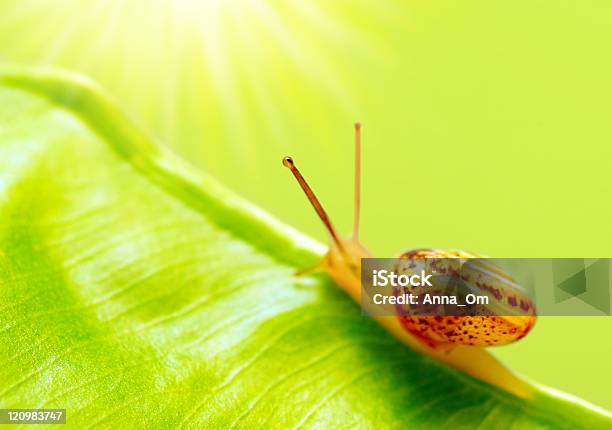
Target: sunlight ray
(69, 31)
(257, 82)
(103, 42)
(304, 57)
(17, 14)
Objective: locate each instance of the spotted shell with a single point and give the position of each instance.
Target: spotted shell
(507, 318)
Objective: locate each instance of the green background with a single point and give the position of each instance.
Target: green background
(486, 124)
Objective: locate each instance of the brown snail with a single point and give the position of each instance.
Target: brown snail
(455, 340)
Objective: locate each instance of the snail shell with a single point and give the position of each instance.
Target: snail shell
(507, 317)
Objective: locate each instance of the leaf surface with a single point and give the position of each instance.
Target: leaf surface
(135, 292)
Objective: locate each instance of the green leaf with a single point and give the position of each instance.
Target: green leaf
(137, 293)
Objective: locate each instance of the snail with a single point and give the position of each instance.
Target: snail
(457, 340)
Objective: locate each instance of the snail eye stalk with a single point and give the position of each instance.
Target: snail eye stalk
(312, 198)
(357, 206)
